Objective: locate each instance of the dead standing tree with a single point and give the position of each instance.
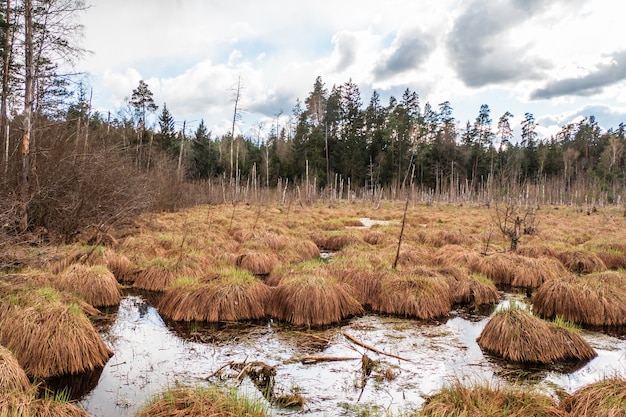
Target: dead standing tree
(514, 223)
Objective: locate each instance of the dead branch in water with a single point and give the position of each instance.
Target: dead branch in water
(312, 359)
(373, 349)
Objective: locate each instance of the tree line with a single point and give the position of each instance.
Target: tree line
(60, 158)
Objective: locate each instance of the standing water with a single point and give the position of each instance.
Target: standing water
(151, 355)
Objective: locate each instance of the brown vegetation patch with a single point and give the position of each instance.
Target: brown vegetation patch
(160, 273)
(596, 299)
(72, 345)
(519, 271)
(374, 237)
(516, 335)
(466, 288)
(334, 242)
(26, 404)
(121, 267)
(12, 377)
(581, 261)
(311, 297)
(456, 255)
(603, 398)
(482, 400)
(416, 256)
(258, 263)
(235, 295)
(201, 402)
(300, 250)
(441, 238)
(95, 284)
(421, 294)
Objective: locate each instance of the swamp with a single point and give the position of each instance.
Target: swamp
(358, 309)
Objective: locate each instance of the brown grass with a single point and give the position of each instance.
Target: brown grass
(466, 288)
(458, 400)
(603, 398)
(72, 345)
(95, 284)
(233, 296)
(456, 255)
(416, 256)
(519, 271)
(26, 404)
(160, 273)
(375, 237)
(596, 299)
(310, 297)
(201, 402)
(120, 266)
(334, 242)
(12, 376)
(256, 262)
(581, 261)
(516, 335)
(422, 294)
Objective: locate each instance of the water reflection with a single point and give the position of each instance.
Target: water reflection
(151, 354)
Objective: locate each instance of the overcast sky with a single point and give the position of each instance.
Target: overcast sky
(557, 59)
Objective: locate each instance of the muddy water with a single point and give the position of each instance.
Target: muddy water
(150, 355)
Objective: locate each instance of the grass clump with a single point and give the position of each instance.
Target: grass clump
(596, 299)
(201, 402)
(458, 400)
(516, 335)
(603, 398)
(233, 295)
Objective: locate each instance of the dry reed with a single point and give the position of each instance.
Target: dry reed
(603, 398)
(310, 297)
(160, 273)
(95, 284)
(233, 296)
(72, 344)
(458, 400)
(581, 261)
(422, 294)
(12, 376)
(201, 402)
(26, 404)
(596, 299)
(516, 335)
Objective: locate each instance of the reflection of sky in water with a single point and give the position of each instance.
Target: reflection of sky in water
(149, 356)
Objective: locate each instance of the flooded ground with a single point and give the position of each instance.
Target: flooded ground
(151, 355)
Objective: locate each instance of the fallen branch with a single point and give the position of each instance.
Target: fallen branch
(218, 371)
(310, 359)
(373, 349)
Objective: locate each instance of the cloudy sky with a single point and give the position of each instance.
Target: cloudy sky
(557, 59)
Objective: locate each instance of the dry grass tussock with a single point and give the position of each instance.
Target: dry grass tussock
(581, 261)
(458, 400)
(94, 284)
(466, 288)
(300, 250)
(596, 299)
(441, 238)
(414, 256)
(519, 271)
(201, 402)
(12, 376)
(456, 255)
(422, 294)
(603, 398)
(334, 241)
(26, 404)
(311, 297)
(120, 266)
(159, 273)
(233, 296)
(516, 335)
(31, 316)
(257, 262)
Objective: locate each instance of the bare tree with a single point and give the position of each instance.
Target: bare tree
(514, 223)
(6, 59)
(236, 115)
(28, 111)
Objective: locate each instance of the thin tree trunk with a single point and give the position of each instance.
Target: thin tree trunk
(28, 107)
(4, 122)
